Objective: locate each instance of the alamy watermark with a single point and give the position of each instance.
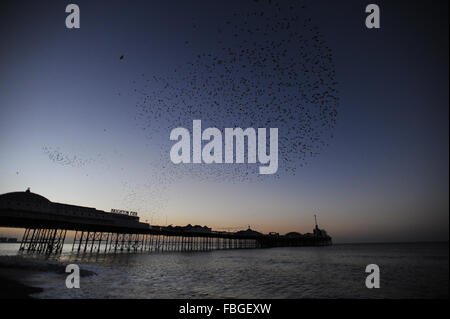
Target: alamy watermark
(73, 279)
(234, 148)
(73, 19)
(373, 279)
(373, 19)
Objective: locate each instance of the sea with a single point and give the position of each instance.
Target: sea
(411, 270)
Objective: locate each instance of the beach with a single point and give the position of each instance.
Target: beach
(17, 273)
(12, 288)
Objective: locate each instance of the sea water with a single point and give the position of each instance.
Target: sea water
(418, 270)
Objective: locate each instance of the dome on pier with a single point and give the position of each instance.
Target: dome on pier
(26, 196)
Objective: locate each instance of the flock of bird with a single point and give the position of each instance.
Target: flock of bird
(62, 158)
(270, 67)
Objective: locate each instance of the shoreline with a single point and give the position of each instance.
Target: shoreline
(13, 288)
(15, 270)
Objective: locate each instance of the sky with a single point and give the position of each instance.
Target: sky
(81, 125)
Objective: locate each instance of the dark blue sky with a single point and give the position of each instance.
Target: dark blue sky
(72, 126)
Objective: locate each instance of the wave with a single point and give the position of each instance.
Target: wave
(36, 265)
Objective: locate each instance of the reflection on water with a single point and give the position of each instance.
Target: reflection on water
(407, 271)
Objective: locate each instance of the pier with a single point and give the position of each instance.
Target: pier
(46, 225)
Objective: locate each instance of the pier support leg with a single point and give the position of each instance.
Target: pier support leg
(24, 241)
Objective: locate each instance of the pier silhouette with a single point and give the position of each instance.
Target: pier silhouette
(46, 224)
